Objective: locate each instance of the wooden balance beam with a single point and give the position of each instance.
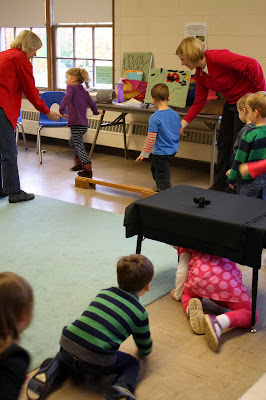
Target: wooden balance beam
(89, 183)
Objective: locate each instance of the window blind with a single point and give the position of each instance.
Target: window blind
(22, 13)
(82, 11)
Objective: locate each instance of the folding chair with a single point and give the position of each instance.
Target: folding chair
(19, 125)
(50, 98)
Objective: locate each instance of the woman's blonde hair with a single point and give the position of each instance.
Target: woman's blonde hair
(16, 298)
(26, 41)
(257, 101)
(81, 74)
(192, 49)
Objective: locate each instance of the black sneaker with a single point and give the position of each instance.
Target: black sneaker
(119, 392)
(85, 174)
(3, 194)
(21, 196)
(48, 378)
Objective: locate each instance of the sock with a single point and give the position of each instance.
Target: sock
(87, 166)
(223, 320)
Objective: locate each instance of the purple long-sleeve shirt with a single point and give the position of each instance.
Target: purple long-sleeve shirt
(77, 100)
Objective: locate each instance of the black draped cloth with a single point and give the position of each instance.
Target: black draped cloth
(231, 226)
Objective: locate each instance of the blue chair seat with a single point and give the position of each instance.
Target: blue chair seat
(50, 98)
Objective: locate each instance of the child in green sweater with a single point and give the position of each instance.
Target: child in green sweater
(252, 148)
(90, 345)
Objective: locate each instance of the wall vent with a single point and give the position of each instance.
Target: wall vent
(201, 137)
(30, 115)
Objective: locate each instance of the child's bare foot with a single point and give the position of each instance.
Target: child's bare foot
(172, 294)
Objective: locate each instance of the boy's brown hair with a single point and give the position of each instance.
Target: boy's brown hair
(160, 92)
(134, 272)
(242, 102)
(257, 101)
(192, 49)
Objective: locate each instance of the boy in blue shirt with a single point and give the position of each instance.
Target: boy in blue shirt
(163, 137)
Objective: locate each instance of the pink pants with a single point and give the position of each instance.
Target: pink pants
(239, 316)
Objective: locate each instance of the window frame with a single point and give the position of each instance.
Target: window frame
(93, 59)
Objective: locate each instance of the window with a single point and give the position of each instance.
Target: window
(39, 63)
(86, 46)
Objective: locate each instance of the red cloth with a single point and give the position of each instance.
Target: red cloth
(231, 74)
(257, 168)
(16, 77)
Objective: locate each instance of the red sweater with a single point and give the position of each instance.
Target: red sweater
(16, 77)
(228, 73)
(257, 168)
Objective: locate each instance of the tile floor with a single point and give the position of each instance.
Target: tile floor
(181, 366)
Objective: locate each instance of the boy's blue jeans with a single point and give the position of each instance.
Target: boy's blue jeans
(126, 367)
(9, 177)
(256, 189)
(160, 169)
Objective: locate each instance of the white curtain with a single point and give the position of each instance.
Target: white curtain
(22, 13)
(82, 11)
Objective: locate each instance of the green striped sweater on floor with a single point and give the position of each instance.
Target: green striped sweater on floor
(252, 147)
(109, 320)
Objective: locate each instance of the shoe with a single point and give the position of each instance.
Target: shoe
(231, 191)
(119, 392)
(20, 196)
(213, 331)
(78, 166)
(3, 194)
(217, 188)
(156, 188)
(196, 316)
(85, 174)
(49, 377)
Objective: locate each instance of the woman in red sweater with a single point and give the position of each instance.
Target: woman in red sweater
(16, 77)
(230, 74)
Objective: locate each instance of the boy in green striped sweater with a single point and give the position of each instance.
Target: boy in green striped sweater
(90, 345)
(252, 148)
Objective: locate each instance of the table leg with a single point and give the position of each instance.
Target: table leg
(139, 241)
(96, 134)
(125, 137)
(254, 297)
(213, 154)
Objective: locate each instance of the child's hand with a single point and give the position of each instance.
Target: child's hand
(64, 116)
(232, 186)
(101, 112)
(228, 172)
(243, 169)
(139, 158)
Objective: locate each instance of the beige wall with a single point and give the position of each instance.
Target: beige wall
(158, 26)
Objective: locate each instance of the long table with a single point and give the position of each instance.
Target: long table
(231, 226)
(212, 123)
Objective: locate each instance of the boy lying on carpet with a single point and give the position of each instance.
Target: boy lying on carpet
(201, 275)
(90, 345)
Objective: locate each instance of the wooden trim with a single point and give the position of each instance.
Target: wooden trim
(113, 19)
(49, 7)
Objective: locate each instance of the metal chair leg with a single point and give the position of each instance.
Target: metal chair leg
(24, 138)
(39, 151)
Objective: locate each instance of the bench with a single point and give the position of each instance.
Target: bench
(87, 183)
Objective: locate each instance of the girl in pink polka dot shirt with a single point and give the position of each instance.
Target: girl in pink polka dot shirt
(201, 275)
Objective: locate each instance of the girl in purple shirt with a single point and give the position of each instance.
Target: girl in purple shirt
(77, 100)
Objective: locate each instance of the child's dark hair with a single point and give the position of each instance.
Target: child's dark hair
(81, 75)
(16, 297)
(160, 92)
(134, 272)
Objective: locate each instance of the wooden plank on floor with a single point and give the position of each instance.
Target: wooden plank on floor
(86, 183)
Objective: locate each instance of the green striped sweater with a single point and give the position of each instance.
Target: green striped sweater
(252, 147)
(109, 319)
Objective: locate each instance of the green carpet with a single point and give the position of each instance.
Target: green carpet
(68, 253)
